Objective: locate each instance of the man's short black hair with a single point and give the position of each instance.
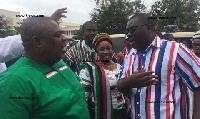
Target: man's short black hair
(145, 18)
(88, 23)
(168, 36)
(32, 26)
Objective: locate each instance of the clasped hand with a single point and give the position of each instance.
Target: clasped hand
(142, 79)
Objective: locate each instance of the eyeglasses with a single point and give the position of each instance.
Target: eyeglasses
(91, 30)
(195, 45)
(133, 29)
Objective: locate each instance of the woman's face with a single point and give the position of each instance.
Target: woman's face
(105, 51)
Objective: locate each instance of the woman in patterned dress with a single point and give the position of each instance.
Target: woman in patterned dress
(100, 79)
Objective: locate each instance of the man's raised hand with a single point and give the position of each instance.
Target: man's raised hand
(58, 14)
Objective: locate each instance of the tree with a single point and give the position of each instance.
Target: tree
(190, 19)
(8, 30)
(198, 9)
(102, 2)
(78, 34)
(106, 2)
(198, 12)
(112, 19)
(138, 7)
(175, 12)
(17, 28)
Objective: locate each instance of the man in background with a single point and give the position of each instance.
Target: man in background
(196, 44)
(83, 51)
(168, 36)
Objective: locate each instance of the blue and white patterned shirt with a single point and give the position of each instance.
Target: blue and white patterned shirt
(176, 67)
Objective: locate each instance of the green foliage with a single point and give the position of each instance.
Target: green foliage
(138, 7)
(78, 34)
(112, 19)
(8, 30)
(179, 12)
(198, 12)
(17, 28)
(103, 2)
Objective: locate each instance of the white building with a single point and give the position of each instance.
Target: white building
(10, 16)
(69, 28)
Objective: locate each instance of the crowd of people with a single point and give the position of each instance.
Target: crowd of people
(157, 78)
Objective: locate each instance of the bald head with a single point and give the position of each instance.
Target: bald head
(42, 40)
(33, 27)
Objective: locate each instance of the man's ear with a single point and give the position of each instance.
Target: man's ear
(36, 42)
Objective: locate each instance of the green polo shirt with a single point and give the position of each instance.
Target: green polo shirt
(32, 90)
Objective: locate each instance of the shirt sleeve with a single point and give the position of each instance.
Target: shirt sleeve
(188, 66)
(85, 80)
(15, 97)
(71, 57)
(123, 73)
(10, 47)
(68, 58)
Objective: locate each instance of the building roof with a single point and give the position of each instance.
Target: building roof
(69, 24)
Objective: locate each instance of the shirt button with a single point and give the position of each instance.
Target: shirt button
(138, 115)
(137, 103)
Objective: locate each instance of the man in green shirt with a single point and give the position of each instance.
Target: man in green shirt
(40, 85)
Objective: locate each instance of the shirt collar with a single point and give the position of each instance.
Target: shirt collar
(157, 42)
(132, 51)
(87, 47)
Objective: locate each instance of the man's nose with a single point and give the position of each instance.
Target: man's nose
(105, 51)
(93, 32)
(63, 38)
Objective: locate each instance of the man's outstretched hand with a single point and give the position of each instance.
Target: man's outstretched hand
(142, 79)
(136, 80)
(58, 14)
